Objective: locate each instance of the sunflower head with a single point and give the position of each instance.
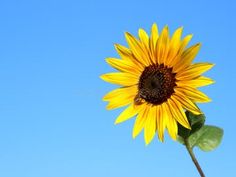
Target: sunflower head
(158, 82)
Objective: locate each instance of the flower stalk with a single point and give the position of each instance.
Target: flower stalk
(190, 151)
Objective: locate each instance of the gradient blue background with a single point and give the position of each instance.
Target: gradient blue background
(53, 122)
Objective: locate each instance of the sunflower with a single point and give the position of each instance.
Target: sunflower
(158, 82)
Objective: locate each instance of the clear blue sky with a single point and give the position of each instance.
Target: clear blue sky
(53, 122)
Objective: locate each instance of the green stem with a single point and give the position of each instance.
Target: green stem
(190, 151)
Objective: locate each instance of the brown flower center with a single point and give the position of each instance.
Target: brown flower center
(156, 84)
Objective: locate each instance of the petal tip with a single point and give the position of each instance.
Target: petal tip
(199, 44)
(116, 122)
(134, 135)
(212, 65)
(165, 29)
(116, 45)
(104, 98)
(180, 29)
(146, 141)
(128, 35)
(154, 25)
(108, 107)
(161, 138)
(103, 76)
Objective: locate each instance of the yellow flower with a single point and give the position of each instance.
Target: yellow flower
(158, 82)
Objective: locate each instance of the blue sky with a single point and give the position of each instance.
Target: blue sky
(52, 119)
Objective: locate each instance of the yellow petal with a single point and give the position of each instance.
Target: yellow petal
(172, 128)
(137, 49)
(124, 91)
(171, 124)
(162, 46)
(194, 71)
(126, 54)
(150, 125)
(124, 102)
(140, 120)
(198, 82)
(143, 36)
(124, 66)
(183, 45)
(128, 113)
(194, 94)
(162, 116)
(187, 57)
(185, 42)
(186, 102)
(178, 112)
(120, 97)
(124, 79)
(153, 40)
(123, 51)
(174, 45)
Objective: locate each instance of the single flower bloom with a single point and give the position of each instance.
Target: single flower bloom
(158, 82)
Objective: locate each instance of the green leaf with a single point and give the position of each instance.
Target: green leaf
(195, 121)
(180, 140)
(207, 138)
